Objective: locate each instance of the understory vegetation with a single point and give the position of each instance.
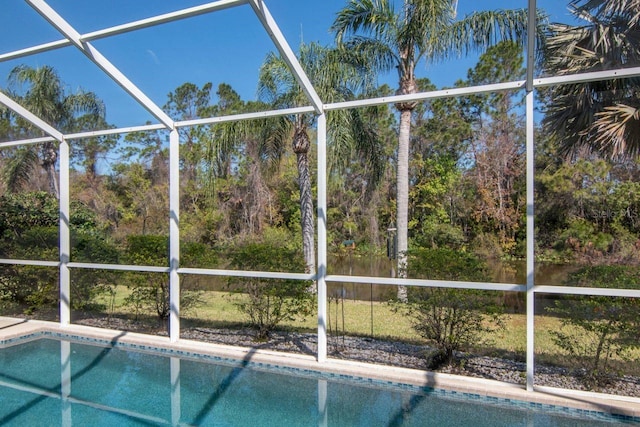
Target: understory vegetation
(595, 330)
(449, 318)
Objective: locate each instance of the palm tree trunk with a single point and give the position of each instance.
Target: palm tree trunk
(301, 146)
(402, 198)
(49, 159)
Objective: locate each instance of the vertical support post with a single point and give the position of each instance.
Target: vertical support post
(174, 235)
(530, 152)
(530, 244)
(65, 239)
(322, 238)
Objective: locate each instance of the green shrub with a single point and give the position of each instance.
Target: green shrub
(24, 211)
(451, 319)
(596, 328)
(150, 291)
(582, 237)
(267, 302)
(30, 286)
(88, 284)
(434, 234)
(487, 246)
(29, 226)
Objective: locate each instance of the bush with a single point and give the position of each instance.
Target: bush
(87, 284)
(150, 291)
(30, 286)
(436, 234)
(268, 302)
(581, 237)
(24, 211)
(29, 227)
(451, 319)
(487, 246)
(594, 328)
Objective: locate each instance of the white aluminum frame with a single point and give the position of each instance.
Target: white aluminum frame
(174, 235)
(317, 107)
(530, 149)
(65, 236)
(101, 61)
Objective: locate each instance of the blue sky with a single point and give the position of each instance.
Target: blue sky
(227, 46)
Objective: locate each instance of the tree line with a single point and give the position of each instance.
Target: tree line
(465, 165)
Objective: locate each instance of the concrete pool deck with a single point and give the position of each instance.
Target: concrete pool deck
(14, 328)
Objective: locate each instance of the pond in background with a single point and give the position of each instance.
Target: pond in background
(381, 266)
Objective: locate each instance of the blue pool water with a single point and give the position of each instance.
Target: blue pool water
(51, 382)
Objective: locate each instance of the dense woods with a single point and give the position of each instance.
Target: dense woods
(240, 180)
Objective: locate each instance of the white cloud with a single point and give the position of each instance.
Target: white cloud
(153, 56)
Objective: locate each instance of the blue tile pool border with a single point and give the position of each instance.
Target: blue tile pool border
(329, 376)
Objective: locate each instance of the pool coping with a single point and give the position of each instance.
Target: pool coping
(17, 330)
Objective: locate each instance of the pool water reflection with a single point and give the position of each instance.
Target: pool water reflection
(58, 382)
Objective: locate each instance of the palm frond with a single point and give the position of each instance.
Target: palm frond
(628, 10)
(597, 115)
(19, 168)
(617, 130)
(337, 75)
(423, 23)
(40, 89)
(373, 17)
(479, 30)
(83, 102)
(275, 134)
(276, 83)
(352, 139)
(370, 54)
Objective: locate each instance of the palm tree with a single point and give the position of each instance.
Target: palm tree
(45, 96)
(334, 80)
(601, 115)
(422, 30)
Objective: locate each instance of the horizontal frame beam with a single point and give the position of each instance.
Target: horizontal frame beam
(423, 283)
(27, 142)
(422, 96)
(36, 263)
(362, 280)
(247, 273)
(117, 267)
(571, 290)
(245, 116)
(619, 73)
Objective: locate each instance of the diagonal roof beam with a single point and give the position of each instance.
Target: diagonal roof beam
(125, 28)
(96, 57)
(287, 54)
(32, 118)
(164, 18)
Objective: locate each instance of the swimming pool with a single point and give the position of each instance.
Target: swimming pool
(46, 381)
